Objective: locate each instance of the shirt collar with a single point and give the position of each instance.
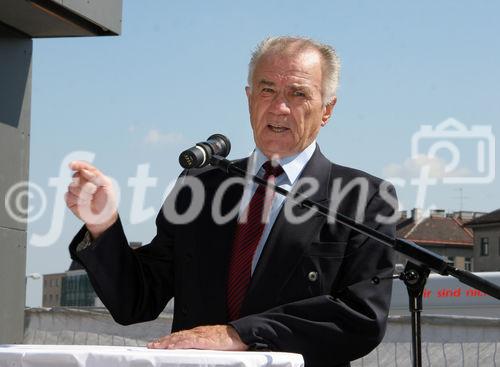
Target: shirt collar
(292, 165)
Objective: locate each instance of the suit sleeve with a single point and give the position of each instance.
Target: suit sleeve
(341, 326)
(135, 285)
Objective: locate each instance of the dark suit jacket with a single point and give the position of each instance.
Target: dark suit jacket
(332, 320)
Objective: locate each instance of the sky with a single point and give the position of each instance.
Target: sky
(177, 74)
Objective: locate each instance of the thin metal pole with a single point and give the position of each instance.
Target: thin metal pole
(416, 339)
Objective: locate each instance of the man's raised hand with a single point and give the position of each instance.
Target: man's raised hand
(91, 198)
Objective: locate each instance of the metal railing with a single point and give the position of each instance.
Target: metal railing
(447, 340)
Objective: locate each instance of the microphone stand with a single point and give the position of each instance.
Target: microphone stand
(416, 271)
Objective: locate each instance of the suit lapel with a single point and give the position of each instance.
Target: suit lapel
(287, 242)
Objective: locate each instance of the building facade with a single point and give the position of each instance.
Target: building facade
(71, 288)
(442, 233)
(52, 289)
(486, 241)
(76, 290)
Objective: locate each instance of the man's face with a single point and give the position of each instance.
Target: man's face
(285, 102)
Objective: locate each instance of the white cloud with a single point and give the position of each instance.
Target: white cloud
(156, 137)
(412, 167)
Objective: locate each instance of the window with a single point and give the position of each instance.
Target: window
(498, 246)
(485, 246)
(468, 264)
(450, 260)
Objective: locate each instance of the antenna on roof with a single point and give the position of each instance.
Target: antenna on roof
(461, 197)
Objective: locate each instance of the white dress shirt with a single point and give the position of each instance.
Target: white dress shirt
(292, 167)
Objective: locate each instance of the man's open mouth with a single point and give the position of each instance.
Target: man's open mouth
(277, 128)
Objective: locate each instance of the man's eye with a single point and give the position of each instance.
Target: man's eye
(299, 93)
(267, 90)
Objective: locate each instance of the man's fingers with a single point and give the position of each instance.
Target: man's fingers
(161, 343)
(82, 177)
(194, 342)
(88, 172)
(84, 192)
(90, 176)
(217, 337)
(73, 201)
(84, 186)
(185, 340)
(184, 344)
(168, 342)
(79, 165)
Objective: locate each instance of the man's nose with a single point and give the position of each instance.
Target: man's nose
(280, 105)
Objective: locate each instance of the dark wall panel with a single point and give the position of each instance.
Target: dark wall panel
(15, 102)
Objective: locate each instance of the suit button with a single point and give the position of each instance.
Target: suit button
(313, 276)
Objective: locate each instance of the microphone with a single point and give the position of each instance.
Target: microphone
(200, 155)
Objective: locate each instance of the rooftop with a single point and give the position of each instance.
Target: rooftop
(490, 218)
(437, 229)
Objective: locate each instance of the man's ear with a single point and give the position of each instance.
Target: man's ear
(328, 110)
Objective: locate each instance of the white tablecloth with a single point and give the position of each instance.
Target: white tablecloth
(20, 355)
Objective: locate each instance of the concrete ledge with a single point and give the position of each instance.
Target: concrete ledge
(62, 18)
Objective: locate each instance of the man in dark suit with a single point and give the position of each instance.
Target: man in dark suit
(252, 270)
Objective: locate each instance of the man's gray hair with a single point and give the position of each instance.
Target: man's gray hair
(330, 60)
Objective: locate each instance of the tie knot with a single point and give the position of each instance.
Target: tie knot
(271, 170)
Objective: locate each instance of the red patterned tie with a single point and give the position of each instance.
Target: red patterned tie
(247, 237)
